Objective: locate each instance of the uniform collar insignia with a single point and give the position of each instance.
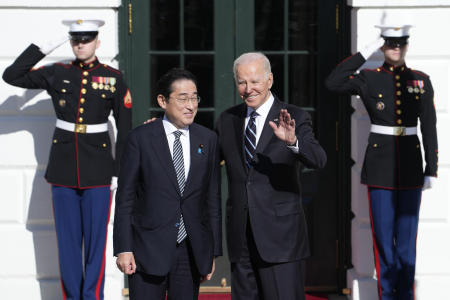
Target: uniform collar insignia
(84, 66)
(391, 68)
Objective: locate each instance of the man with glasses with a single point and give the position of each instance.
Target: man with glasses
(167, 226)
(81, 169)
(395, 97)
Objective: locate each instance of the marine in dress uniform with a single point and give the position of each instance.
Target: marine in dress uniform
(81, 168)
(395, 97)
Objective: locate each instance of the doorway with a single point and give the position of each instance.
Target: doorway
(303, 40)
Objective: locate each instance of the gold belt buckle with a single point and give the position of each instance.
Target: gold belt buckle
(80, 128)
(400, 130)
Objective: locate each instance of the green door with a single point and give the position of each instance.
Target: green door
(301, 39)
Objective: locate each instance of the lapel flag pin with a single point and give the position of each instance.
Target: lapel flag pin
(200, 149)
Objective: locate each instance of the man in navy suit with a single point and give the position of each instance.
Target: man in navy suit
(167, 227)
(264, 143)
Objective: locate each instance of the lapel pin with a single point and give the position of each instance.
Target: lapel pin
(200, 149)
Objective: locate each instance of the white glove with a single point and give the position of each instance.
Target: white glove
(428, 182)
(370, 49)
(47, 47)
(113, 186)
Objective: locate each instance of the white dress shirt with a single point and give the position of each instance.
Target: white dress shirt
(169, 128)
(260, 119)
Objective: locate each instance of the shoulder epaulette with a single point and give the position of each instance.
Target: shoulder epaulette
(376, 70)
(419, 73)
(112, 69)
(65, 65)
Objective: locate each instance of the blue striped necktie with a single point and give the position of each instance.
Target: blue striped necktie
(178, 163)
(250, 139)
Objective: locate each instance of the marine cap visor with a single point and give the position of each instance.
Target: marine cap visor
(396, 42)
(83, 36)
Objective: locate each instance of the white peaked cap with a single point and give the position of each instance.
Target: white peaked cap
(394, 31)
(83, 25)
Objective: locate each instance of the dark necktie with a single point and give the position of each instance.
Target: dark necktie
(250, 139)
(178, 163)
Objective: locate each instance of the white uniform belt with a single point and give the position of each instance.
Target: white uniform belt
(81, 128)
(393, 130)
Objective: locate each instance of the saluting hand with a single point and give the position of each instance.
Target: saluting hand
(285, 130)
(126, 263)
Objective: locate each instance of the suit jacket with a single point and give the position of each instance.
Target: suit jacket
(269, 193)
(149, 203)
(79, 160)
(393, 96)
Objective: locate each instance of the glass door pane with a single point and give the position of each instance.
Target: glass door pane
(181, 35)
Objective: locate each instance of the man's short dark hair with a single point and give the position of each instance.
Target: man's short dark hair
(164, 85)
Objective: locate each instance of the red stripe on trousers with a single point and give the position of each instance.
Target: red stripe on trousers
(102, 269)
(375, 248)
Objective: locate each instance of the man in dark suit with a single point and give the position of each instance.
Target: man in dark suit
(264, 143)
(167, 227)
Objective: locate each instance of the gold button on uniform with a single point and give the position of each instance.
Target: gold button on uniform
(82, 100)
(63, 90)
(91, 65)
(81, 110)
(417, 97)
(399, 112)
(104, 145)
(399, 93)
(417, 146)
(398, 102)
(84, 81)
(55, 141)
(375, 145)
(85, 73)
(391, 68)
(103, 96)
(397, 77)
(83, 91)
(380, 95)
(398, 84)
(80, 120)
(378, 69)
(399, 121)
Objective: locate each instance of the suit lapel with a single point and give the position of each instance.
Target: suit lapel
(239, 123)
(162, 151)
(267, 132)
(195, 141)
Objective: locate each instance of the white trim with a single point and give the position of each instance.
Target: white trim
(60, 4)
(90, 128)
(393, 130)
(398, 3)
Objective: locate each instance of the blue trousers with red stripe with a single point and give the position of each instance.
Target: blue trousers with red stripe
(394, 218)
(81, 220)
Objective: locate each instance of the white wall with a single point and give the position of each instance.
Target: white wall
(29, 255)
(429, 51)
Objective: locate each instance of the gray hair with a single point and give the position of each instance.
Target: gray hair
(251, 57)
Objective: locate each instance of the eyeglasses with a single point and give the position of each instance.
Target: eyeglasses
(185, 99)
